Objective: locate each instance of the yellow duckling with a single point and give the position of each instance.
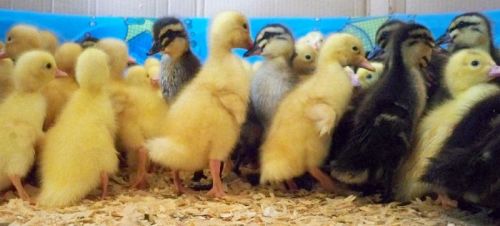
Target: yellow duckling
(21, 118)
(204, 122)
(79, 150)
(21, 38)
(49, 41)
(298, 138)
(59, 91)
(304, 62)
(6, 82)
(368, 78)
(466, 77)
(141, 120)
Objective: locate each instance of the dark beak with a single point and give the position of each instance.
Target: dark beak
(376, 52)
(444, 39)
(155, 48)
(254, 50)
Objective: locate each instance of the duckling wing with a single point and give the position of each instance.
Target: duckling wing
(323, 116)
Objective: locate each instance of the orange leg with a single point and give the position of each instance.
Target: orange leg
(104, 184)
(140, 177)
(446, 201)
(179, 187)
(324, 180)
(16, 181)
(217, 188)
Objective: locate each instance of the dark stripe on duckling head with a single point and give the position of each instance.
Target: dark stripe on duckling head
(272, 31)
(165, 30)
(385, 31)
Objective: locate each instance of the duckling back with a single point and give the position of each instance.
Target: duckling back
(74, 158)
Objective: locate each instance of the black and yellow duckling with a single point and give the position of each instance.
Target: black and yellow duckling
(466, 76)
(178, 64)
(387, 116)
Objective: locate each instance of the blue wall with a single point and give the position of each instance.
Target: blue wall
(137, 31)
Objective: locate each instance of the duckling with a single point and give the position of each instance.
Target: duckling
(470, 30)
(152, 66)
(151, 62)
(59, 91)
(275, 77)
(298, 138)
(49, 41)
(6, 80)
(466, 76)
(314, 39)
(141, 120)
(21, 38)
(304, 61)
(79, 151)
(385, 120)
(204, 122)
(178, 64)
(88, 41)
(21, 118)
(368, 78)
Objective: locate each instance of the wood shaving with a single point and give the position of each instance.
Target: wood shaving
(244, 205)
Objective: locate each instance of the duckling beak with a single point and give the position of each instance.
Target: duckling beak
(252, 51)
(131, 61)
(363, 62)
(444, 39)
(154, 49)
(3, 55)
(377, 51)
(61, 74)
(494, 72)
(155, 82)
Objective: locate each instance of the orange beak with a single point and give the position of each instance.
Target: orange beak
(363, 62)
(3, 55)
(61, 74)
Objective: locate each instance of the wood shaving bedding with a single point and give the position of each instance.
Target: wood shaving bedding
(244, 205)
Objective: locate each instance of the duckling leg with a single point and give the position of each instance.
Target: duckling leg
(292, 186)
(178, 183)
(217, 188)
(140, 177)
(326, 182)
(16, 181)
(104, 184)
(445, 201)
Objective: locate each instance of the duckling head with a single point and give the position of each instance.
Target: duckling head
(229, 30)
(34, 69)
(345, 49)
(413, 44)
(92, 69)
(170, 37)
(469, 30)
(137, 76)
(383, 36)
(368, 78)
(273, 40)
(117, 51)
(66, 56)
(151, 62)
(21, 38)
(88, 41)
(469, 67)
(305, 58)
(49, 41)
(314, 39)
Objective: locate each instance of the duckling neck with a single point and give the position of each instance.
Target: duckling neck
(219, 48)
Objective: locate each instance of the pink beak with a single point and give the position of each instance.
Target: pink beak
(494, 72)
(131, 60)
(3, 55)
(316, 46)
(155, 82)
(61, 74)
(354, 78)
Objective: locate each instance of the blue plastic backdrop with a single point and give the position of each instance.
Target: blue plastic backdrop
(137, 31)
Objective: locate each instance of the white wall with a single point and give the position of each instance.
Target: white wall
(252, 8)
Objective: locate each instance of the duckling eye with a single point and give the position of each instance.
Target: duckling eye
(308, 57)
(355, 49)
(369, 76)
(245, 26)
(9, 39)
(474, 63)
(48, 66)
